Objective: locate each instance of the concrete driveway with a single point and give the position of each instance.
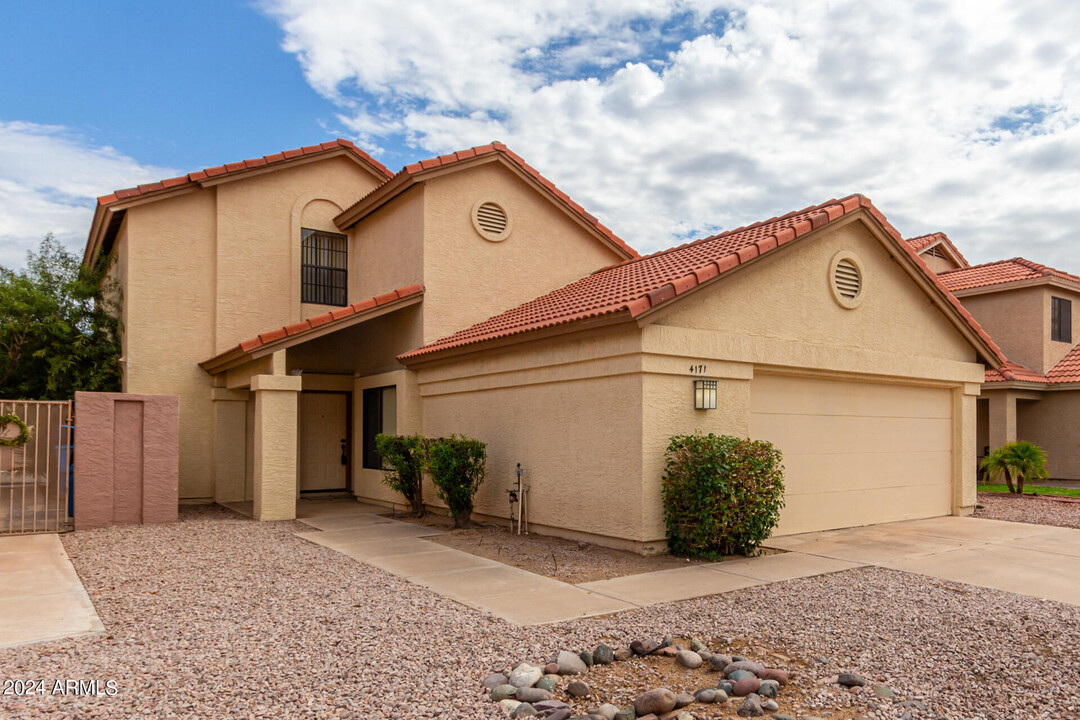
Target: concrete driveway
(1037, 560)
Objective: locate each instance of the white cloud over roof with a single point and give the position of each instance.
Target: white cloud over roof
(674, 119)
(49, 178)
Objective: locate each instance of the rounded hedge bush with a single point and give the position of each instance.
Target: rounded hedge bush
(722, 495)
(457, 466)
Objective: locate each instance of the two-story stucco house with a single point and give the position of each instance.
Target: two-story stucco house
(303, 302)
(1028, 309)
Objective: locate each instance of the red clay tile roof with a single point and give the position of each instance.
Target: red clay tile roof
(1068, 370)
(1012, 372)
(414, 169)
(228, 168)
(640, 284)
(918, 244)
(318, 321)
(1000, 272)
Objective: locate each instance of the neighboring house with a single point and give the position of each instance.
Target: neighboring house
(302, 303)
(1029, 311)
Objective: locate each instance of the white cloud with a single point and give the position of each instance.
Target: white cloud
(49, 179)
(956, 116)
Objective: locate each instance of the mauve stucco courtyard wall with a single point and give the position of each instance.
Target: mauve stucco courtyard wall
(127, 459)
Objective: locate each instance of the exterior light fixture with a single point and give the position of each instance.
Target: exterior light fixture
(704, 394)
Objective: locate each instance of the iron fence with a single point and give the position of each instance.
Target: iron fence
(35, 477)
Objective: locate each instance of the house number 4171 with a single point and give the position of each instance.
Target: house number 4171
(698, 369)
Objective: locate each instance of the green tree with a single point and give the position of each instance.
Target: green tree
(1023, 460)
(59, 327)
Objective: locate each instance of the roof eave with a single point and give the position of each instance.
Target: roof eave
(237, 355)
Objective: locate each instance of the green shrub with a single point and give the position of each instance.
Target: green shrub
(457, 467)
(722, 495)
(403, 460)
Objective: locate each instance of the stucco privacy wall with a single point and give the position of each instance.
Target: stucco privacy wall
(207, 269)
(1052, 423)
(126, 459)
(468, 278)
(570, 413)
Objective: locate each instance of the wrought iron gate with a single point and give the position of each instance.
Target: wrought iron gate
(35, 476)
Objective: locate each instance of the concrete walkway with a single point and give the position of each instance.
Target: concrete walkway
(41, 596)
(510, 593)
(1036, 560)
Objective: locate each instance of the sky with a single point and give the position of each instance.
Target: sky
(667, 119)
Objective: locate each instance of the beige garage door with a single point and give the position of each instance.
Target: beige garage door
(856, 453)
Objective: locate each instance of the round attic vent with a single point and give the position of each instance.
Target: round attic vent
(491, 220)
(846, 279)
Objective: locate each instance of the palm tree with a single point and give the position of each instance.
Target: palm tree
(1028, 461)
(1022, 459)
(997, 464)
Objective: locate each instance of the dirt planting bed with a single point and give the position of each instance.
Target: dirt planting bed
(566, 560)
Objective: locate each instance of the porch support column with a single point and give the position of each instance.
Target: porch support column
(230, 444)
(276, 404)
(1002, 418)
(964, 470)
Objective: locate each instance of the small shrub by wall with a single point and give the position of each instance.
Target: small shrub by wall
(457, 467)
(403, 459)
(722, 495)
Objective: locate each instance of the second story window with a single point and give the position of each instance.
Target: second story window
(324, 267)
(1060, 319)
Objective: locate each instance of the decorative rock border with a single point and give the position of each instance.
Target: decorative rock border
(529, 690)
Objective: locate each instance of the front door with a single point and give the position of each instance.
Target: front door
(323, 441)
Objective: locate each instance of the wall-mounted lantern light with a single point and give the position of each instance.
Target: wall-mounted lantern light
(704, 394)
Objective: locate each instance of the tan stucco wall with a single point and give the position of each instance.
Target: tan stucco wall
(169, 311)
(570, 413)
(1019, 322)
(786, 297)
(468, 278)
(388, 247)
(207, 269)
(937, 264)
(1052, 423)
(258, 241)
(1054, 351)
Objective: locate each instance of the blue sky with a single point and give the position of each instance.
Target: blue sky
(174, 84)
(668, 119)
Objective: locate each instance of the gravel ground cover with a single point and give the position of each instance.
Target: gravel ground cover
(218, 616)
(1029, 509)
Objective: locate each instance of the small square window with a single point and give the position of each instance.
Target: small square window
(1060, 319)
(324, 267)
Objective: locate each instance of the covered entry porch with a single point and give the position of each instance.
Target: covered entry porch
(296, 411)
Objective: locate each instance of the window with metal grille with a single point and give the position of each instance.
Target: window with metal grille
(1060, 319)
(324, 267)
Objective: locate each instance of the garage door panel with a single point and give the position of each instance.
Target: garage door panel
(809, 513)
(817, 396)
(805, 474)
(802, 434)
(856, 453)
